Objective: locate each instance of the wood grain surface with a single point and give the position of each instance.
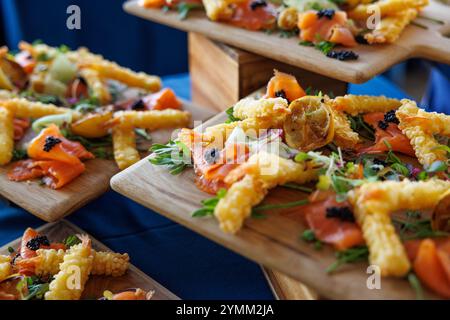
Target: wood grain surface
(239, 73)
(96, 285)
(415, 41)
(273, 241)
(51, 205)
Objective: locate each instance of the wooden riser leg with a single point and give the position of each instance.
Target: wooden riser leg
(221, 75)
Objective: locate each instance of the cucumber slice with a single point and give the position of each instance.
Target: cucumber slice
(62, 69)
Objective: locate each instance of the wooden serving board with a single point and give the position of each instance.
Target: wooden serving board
(96, 285)
(51, 205)
(414, 42)
(273, 241)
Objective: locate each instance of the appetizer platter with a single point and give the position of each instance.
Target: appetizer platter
(324, 27)
(41, 265)
(71, 119)
(328, 190)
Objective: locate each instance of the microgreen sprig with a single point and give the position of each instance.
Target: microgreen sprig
(175, 155)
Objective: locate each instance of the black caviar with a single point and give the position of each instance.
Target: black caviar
(281, 94)
(383, 125)
(327, 13)
(342, 55)
(138, 105)
(342, 213)
(35, 243)
(391, 117)
(360, 39)
(258, 3)
(212, 155)
(50, 142)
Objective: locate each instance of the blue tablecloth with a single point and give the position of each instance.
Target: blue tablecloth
(187, 264)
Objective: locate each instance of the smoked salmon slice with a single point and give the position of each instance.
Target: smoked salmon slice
(341, 233)
(50, 144)
(24, 170)
(164, 99)
(325, 28)
(391, 136)
(56, 174)
(254, 15)
(285, 86)
(20, 127)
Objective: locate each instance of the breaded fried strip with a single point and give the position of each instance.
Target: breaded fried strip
(344, 136)
(355, 104)
(421, 134)
(252, 126)
(373, 203)
(5, 267)
(263, 171)
(155, 119)
(124, 143)
(97, 85)
(390, 28)
(6, 135)
(261, 108)
(23, 108)
(385, 7)
(111, 70)
(77, 261)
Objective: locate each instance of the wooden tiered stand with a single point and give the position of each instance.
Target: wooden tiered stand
(221, 74)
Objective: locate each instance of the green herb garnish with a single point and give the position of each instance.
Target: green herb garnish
(414, 282)
(71, 241)
(231, 117)
(297, 187)
(184, 8)
(281, 205)
(208, 205)
(175, 155)
(19, 154)
(309, 236)
(356, 254)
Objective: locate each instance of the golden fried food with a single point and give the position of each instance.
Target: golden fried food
(385, 8)
(98, 87)
(23, 108)
(252, 127)
(373, 203)
(69, 282)
(344, 136)
(263, 171)
(124, 143)
(6, 135)
(155, 119)
(420, 126)
(111, 70)
(261, 108)
(355, 104)
(5, 267)
(390, 28)
(218, 9)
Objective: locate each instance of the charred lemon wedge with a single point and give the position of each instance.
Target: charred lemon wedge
(310, 124)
